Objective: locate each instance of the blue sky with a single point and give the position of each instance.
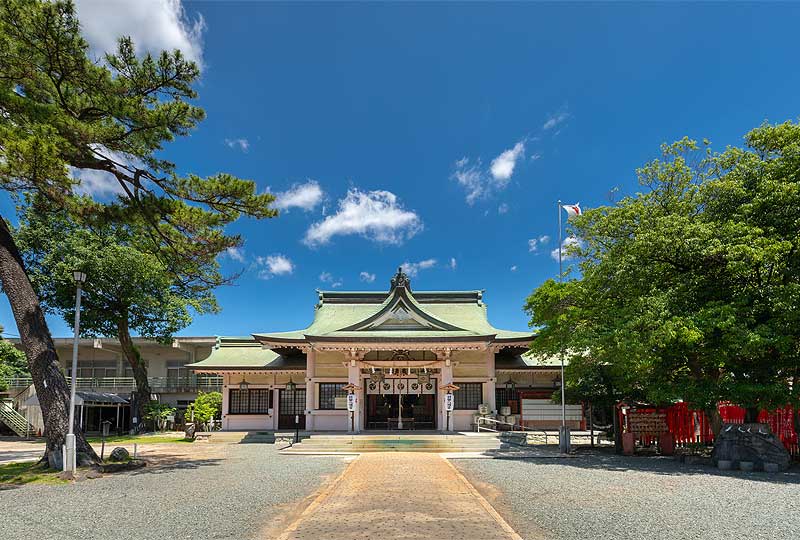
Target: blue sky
(443, 134)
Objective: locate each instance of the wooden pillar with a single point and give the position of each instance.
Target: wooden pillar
(354, 378)
(489, 394)
(311, 388)
(447, 378)
(226, 379)
(275, 401)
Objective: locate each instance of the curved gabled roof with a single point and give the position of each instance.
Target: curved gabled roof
(399, 314)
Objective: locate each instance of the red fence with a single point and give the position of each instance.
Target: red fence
(691, 426)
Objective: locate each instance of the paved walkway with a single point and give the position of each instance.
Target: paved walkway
(15, 449)
(400, 496)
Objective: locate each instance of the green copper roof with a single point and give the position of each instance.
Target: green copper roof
(527, 360)
(243, 353)
(425, 315)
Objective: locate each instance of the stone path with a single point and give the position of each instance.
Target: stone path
(400, 496)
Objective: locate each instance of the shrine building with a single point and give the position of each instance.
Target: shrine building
(398, 352)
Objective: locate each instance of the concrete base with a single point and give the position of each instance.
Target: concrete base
(69, 453)
(564, 443)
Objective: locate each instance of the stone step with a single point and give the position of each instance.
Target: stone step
(409, 436)
(322, 444)
(299, 449)
(491, 443)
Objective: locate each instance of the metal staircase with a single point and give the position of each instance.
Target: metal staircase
(18, 423)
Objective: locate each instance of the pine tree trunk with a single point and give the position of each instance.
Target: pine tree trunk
(715, 419)
(141, 396)
(51, 386)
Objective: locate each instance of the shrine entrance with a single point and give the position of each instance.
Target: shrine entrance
(400, 404)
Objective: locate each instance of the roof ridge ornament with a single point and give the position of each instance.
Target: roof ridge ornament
(400, 279)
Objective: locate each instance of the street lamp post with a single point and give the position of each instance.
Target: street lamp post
(69, 447)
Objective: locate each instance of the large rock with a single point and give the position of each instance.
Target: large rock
(119, 454)
(750, 442)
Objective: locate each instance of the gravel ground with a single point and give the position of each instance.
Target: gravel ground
(615, 497)
(235, 495)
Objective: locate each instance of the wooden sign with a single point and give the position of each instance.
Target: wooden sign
(340, 402)
(647, 422)
(351, 402)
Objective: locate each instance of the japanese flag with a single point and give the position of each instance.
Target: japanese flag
(572, 209)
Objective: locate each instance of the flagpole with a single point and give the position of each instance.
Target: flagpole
(563, 436)
(560, 271)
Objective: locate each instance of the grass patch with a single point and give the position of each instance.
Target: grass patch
(28, 472)
(166, 438)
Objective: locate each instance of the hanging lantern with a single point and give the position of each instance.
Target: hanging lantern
(244, 385)
(291, 386)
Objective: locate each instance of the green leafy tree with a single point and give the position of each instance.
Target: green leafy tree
(690, 289)
(129, 290)
(63, 115)
(13, 362)
(158, 413)
(207, 407)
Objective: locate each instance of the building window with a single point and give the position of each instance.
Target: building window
(328, 392)
(468, 396)
(503, 396)
(178, 373)
(251, 401)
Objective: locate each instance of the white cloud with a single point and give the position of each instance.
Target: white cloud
(305, 196)
(327, 277)
(375, 215)
(503, 165)
(241, 144)
(479, 183)
(514, 268)
(470, 178)
(366, 276)
(96, 184)
(412, 269)
(101, 184)
(567, 246)
(453, 263)
(502, 209)
(154, 25)
(235, 253)
(274, 265)
(535, 243)
(555, 119)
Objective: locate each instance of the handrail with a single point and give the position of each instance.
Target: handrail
(523, 428)
(127, 383)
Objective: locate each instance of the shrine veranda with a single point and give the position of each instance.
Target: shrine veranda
(399, 353)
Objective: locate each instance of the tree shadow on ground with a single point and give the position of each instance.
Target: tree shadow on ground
(606, 459)
(177, 465)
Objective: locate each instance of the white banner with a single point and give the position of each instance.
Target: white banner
(400, 386)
